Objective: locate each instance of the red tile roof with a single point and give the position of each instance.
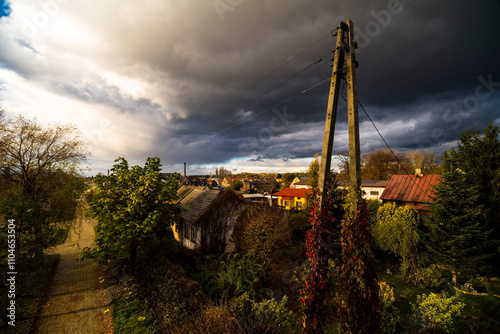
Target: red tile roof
(409, 188)
(289, 192)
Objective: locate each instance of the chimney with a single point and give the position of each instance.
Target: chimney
(184, 170)
(418, 172)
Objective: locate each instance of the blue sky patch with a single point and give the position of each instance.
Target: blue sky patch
(4, 8)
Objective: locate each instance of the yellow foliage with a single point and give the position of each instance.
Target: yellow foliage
(386, 292)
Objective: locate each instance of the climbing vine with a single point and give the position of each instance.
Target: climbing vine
(360, 310)
(318, 247)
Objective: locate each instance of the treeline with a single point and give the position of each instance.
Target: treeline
(383, 163)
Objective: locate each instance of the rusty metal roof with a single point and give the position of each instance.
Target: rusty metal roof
(410, 188)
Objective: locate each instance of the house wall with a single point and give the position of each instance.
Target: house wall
(292, 203)
(184, 237)
(302, 201)
(183, 234)
(373, 192)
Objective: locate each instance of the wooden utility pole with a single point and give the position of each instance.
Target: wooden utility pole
(344, 60)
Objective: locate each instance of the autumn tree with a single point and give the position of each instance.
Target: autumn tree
(262, 231)
(222, 172)
(313, 172)
(382, 164)
(425, 160)
(39, 169)
(132, 206)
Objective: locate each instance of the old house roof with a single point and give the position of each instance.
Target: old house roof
(196, 200)
(410, 188)
(290, 192)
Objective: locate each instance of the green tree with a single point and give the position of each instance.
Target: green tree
(132, 206)
(39, 177)
(464, 232)
(313, 172)
(397, 231)
(237, 185)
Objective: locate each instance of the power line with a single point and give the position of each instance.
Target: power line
(277, 69)
(390, 149)
(261, 97)
(287, 62)
(275, 105)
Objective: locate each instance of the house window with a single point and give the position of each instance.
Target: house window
(299, 205)
(193, 233)
(186, 230)
(178, 227)
(375, 193)
(286, 203)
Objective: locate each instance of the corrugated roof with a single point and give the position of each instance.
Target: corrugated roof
(410, 188)
(196, 200)
(290, 192)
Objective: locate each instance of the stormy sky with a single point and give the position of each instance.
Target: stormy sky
(244, 83)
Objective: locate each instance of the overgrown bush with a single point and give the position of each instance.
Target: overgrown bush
(232, 276)
(262, 232)
(437, 312)
(172, 296)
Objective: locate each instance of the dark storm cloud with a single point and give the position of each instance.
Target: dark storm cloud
(415, 73)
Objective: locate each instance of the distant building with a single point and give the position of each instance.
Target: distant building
(302, 184)
(293, 199)
(372, 189)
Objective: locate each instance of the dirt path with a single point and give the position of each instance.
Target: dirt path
(76, 304)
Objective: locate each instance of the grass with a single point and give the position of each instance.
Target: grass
(131, 315)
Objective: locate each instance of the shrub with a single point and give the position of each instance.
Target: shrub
(170, 293)
(373, 206)
(267, 316)
(299, 224)
(213, 320)
(262, 232)
(390, 314)
(436, 312)
(235, 275)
